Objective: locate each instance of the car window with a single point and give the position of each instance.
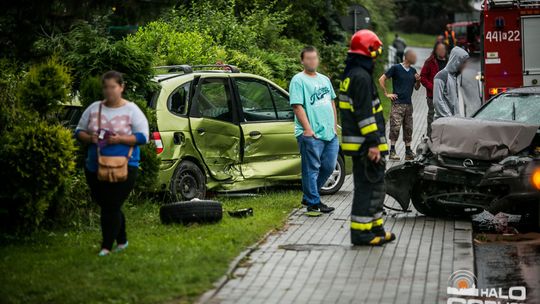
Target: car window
(283, 108)
(516, 107)
(214, 99)
(178, 100)
(256, 100)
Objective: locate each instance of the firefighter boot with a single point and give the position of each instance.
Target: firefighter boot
(361, 235)
(378, 230)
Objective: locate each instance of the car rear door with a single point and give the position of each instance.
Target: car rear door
(214, 126)
(270, 150)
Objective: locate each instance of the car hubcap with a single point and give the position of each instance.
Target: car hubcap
(334, 178)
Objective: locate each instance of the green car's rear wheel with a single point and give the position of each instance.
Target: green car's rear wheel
(188, 182)
(336, 179)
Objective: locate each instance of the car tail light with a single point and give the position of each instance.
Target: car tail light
(535, 179)
(495, 91)
(157, 141)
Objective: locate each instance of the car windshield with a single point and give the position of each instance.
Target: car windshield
(515, 107)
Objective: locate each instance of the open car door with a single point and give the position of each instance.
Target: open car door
(267, 123)
(214, 126)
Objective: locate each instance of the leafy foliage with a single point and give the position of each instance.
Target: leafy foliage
(171, 46)
(429, 16)
(36, 160)
(90, 90)
(46, 87)
(89, 52)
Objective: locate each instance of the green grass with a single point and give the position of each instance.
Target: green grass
(162, 263)
(413, 39)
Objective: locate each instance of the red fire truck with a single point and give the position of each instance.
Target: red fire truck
(511, 45)
(467, 35)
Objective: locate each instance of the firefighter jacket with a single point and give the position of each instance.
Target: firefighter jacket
(361, 112)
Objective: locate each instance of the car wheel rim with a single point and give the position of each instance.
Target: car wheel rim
(334, 178)
(187, 186)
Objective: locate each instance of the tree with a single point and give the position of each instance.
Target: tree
(429, 16)
(24, 21)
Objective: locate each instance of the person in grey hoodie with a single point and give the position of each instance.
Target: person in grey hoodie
(445, 85)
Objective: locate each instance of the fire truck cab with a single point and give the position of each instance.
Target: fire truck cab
(511, 45)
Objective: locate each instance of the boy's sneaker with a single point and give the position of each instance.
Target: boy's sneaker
(121, 247)
(104, 252)
(409, 155)
(320, 207)
(393, 155)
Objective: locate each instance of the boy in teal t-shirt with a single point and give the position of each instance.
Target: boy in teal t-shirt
(311, 96)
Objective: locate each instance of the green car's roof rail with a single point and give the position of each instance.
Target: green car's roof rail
(224, 67)
(176, 68)
(187, 69)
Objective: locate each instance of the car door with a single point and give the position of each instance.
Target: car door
(214, 127)
(270, 150)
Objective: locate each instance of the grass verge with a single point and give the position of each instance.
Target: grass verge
(413, 39)
(162, 262)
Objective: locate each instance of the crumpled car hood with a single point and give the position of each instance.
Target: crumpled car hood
(479, 139)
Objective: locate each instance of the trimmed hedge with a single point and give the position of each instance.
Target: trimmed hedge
(36, 160)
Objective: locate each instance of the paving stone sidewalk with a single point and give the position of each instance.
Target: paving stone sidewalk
(311, 259)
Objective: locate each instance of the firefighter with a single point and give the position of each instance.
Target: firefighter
(363, 138)
(449, 37)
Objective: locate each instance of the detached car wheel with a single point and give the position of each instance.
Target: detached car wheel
(336, 179)
(188, 182)
(196, 211)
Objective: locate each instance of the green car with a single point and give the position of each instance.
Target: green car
(222, 130)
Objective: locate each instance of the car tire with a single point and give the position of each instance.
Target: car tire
(196, 211)
(428, 208)
(188, 182)
(432, 208)
(339, 178)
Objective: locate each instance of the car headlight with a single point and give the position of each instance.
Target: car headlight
(535, 178)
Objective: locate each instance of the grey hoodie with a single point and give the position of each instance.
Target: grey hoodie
(445, 85)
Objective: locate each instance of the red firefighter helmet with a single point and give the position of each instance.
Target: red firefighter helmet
(367, 43)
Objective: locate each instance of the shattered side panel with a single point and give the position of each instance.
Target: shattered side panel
(270, 150)
(218, 143)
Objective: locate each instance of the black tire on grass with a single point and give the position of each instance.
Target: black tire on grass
(191, 212)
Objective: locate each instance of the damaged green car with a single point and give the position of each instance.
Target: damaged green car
(222, 130)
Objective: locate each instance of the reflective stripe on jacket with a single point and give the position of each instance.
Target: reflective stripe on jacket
(361, 112)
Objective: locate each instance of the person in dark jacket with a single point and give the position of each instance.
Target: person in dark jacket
(432, 66)
(400, 45)
(363, 138)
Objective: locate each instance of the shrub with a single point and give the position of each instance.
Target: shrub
(72, 205)
(10, 110)
(90, 90)
(333, 61)
(46, 87)
(149, 163)
(248, 64)
(36, 160)
(149, 169)
(408, 24)
(171, 46)
(89, 52)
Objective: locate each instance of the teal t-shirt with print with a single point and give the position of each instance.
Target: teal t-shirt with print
(316, 94)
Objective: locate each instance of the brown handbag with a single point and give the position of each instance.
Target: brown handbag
(112, 169)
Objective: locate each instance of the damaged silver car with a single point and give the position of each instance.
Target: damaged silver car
(488, 162)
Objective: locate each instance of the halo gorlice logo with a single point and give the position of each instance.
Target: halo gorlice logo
(462, 289)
